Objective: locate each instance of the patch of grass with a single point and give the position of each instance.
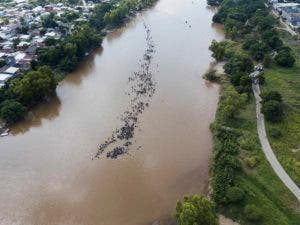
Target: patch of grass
(287, 82)
(262, 187)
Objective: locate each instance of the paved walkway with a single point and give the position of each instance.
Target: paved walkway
(285, 27)
(266, 147)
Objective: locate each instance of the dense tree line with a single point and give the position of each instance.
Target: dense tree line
(237, 66)
(25, 92)
(249, 21)
(227, 167)
(66, 54)
(125, 8)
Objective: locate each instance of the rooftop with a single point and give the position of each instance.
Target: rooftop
(4, 77)
(12, 70)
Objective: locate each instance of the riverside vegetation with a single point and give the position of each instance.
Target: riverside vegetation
(245, 188)
(62, 56)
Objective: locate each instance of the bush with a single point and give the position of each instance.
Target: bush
(238, 63)
(248, 142)
(235, 194)
(251, 161)
(218, 49)
(196, 210)
(34, 86)
(232, 102)
(252, 213)
(273, 111)
(212, 76)
(285, 58)
(12, 111)
(271, 95)
(275, 133)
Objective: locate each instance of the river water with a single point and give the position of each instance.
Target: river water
(47, 175)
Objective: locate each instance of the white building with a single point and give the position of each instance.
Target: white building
(3, 78)
(12, 70)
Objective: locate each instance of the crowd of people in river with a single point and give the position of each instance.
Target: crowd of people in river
(142, 89)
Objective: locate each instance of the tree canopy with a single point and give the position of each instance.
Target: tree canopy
(12, 111)
(34, 86)
(195, 210)
(285, 58)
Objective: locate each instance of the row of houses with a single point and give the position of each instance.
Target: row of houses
(22, 32)
(290, 11)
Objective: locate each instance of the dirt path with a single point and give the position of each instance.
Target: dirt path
(266, 147)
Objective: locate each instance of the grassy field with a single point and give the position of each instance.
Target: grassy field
(287, 83)
(263, 188)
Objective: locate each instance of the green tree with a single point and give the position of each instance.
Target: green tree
(258, 50)
(50, 41)
(97, 18)
(195, 210)
(218, 49)
(12, 111)
(285, 58)
(242, 82)
(271, 95)
(249, 41)
(232, 103)
(34, 86)
(273, 111)
(235, 194)
(49, 22)
(238, 63)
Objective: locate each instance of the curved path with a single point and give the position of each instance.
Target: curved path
(285, 27)
(266, 147)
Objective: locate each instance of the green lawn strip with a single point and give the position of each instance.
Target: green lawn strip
(287, 82)
(263, 188)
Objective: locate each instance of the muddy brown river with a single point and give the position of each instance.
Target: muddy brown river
(47, 175)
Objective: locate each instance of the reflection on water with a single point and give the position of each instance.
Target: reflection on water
(48, 110)
(84, 68)
(47, 173)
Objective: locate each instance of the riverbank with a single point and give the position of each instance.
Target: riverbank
(245, 188)
(61, 57)
(259, 184)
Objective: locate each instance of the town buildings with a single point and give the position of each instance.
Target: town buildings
(25, 26)
(290, 11)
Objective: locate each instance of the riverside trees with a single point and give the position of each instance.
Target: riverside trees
(249, 20)
(62, 55)
(24, 92)
(238, 170)
(68, 52)
(196, 210)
